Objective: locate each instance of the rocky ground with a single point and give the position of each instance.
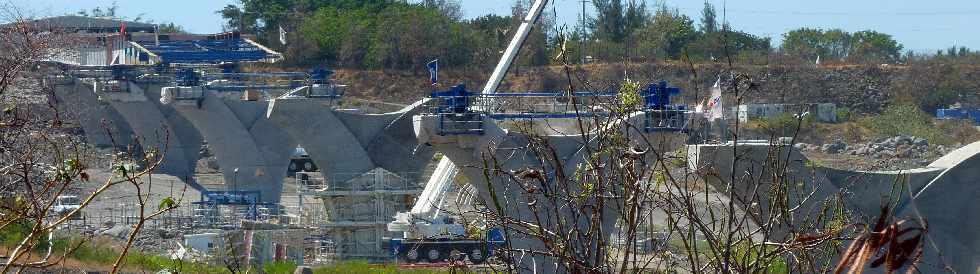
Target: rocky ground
(893, 153)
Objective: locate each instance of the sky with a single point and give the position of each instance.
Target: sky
(923, 26)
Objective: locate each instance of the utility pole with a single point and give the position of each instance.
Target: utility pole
(582, 46)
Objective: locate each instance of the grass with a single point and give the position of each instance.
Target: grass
(740, 254)
(101, 252)
(363, 267)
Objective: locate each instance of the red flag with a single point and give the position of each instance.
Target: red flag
(122, 28)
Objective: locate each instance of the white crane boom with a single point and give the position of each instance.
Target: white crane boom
(514, 47)
(428, 204)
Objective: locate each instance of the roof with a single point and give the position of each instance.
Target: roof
(92, 24)
(234, 49)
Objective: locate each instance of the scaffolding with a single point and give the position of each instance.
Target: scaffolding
(353, 214)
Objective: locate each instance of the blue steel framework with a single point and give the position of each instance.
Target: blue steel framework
(207, 51)
(960, 113)
(461, 112)
(213, 199)
(238, 81)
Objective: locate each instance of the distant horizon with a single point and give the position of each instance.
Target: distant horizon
(917, 28)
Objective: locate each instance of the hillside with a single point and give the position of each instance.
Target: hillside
(865, 89)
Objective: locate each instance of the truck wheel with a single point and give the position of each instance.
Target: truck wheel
(292, 167)
(412, 256)
(456, 255)
(434, 255)
(476, 256)
(308, 166)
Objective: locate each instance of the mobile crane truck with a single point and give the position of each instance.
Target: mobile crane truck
(435, 237)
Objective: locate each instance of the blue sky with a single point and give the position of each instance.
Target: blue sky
(919, 25)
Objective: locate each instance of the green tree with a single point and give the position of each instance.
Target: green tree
(667, 34)
(448, 8)
(535, 50)
(836, 44)
(170, 28)
(862, 46)
(709, 18)
(806, 43)
(341, 37)
(488, 37)
(237, 20)
(615, 22)
(873, 46)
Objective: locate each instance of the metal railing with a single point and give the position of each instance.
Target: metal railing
(520, 105)
(312, 183)
(666, 120)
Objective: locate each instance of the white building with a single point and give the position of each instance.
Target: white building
(823, 112)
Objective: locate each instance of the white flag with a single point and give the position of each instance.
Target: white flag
(282, 35)
(715, 110)
(818, 60)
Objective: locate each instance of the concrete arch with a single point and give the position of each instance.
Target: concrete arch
(949, 205)
(182, 129)
(155, 130)
(944, 194)
(77, 98)
(331, 145)
(242, 141)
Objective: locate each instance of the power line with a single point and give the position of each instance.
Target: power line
(850, 13)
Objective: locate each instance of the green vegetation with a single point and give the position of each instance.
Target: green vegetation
(282, 267)
(844, 114)
(100, 251)
(836, 44)
(786, 124)
(903, 119)
(382, 34)
(363, 267)
(405, 35)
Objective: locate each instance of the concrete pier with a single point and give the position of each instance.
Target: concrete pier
(370, 165)
(253, 151)
(346, 143)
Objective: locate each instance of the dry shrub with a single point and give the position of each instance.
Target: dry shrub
(896, 244)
